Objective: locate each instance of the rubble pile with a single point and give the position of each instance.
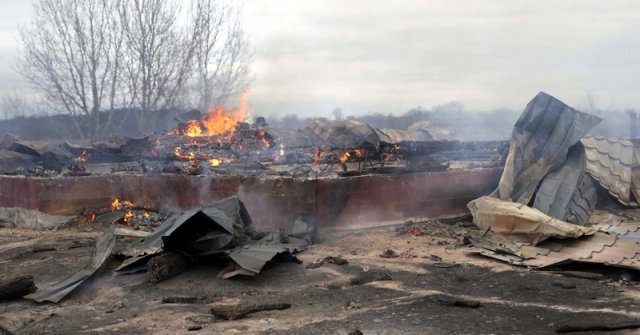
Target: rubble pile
(323, 148)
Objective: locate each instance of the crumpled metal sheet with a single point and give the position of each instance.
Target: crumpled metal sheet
(521, 223)
(540, 141)
(192, 231)
(611, 161)
(599, 248)
(55, 293)
(253, 256)
(568, 193)
(213, 231)
(30, 218)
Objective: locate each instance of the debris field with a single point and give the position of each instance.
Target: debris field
(555, 248)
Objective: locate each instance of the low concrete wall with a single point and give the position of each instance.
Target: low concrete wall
(272, 202)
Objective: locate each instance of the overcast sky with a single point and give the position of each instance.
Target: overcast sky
(364, 56)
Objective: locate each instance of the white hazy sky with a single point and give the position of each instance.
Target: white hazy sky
(364, 56)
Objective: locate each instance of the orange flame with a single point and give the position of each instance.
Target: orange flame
(316, 156)
(264, 141)
(359, 152)
(344, 157)
(220, 122)
(117, 205)
(193, 129)
(215, 162)
(82, 158)
(126, 218)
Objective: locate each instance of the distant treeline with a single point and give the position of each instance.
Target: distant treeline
(467, 125)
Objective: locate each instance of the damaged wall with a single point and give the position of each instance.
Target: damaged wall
(273, 202)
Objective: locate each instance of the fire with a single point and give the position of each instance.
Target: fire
(359, 152)
(281, 149)
(265, 142)
(215, 162)
(126, 218)
(117, 205)
(220, 122)
(344, 157)
(193, 129)
(316, 156)
(82, 158)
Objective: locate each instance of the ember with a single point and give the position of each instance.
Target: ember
(82, 158)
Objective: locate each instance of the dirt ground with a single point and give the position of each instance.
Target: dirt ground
(375, 295)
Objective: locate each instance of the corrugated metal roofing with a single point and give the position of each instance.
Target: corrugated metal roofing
(610, 161)
(629, 230)
(600, 248)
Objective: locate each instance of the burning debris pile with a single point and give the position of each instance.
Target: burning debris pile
(222, 232)
(125, 213)
(541, 213)
(220, 142)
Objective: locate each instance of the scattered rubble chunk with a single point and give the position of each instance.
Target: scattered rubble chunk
(182, 300)
(389, 254)
(235, 312)
(447, 300)
(12, 288)
(337, 260)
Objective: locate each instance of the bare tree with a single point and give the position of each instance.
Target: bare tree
(91, 57)
(13, 105)
(221, 54)
(158, 55)
(70, 52)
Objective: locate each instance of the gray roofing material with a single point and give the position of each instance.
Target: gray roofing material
(540, 141)
(610, 161)
(568, 193)
(57, 291)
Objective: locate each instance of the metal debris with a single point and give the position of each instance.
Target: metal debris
(55, 293)
(599, 248)
(611, 161)
(520, 222)
(222, 229)
(568, 193)
(541, 139)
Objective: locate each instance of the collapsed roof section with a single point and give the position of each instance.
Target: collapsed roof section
(568, 193)
(540, 142)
